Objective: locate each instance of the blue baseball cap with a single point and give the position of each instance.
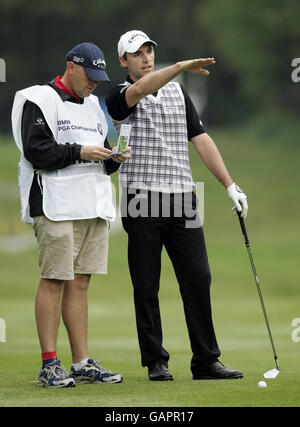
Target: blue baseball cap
(91, 58)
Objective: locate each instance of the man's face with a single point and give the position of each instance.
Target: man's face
(81, 84)
(140, 62)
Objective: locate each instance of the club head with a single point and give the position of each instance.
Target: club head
(271, 374)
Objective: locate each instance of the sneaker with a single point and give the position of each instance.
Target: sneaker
(54, 375)
(94, 373)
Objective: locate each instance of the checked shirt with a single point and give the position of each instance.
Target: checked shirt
(159, 143)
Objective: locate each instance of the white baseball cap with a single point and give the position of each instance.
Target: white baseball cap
(132, 41)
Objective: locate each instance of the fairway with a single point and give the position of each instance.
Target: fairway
(268, 172)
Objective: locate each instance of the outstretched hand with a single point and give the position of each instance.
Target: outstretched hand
(195, 65)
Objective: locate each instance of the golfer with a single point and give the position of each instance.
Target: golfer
(158, 177)
(66, 194)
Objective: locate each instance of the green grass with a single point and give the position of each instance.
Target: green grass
(268, 172)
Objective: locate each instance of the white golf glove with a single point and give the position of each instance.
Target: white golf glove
(239, 199)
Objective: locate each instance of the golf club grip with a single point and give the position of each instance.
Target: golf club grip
(243, 227)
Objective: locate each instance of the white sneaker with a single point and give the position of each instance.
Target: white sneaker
(54, 375)
(94, 373)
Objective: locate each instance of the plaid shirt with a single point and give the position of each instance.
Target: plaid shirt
(159, 143)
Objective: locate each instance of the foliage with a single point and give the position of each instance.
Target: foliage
(253, 42)
(257, 41)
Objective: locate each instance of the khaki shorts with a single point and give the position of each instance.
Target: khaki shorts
(71, 247)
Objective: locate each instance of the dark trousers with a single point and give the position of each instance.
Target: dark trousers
(187, 251)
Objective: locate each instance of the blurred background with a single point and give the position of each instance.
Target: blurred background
(253, 42)
(249, 104)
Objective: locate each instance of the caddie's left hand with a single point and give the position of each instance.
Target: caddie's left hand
(239, 198)
(120, 158)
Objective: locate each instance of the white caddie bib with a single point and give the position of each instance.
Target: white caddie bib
(79, 191)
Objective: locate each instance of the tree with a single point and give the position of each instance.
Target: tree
(257, 41)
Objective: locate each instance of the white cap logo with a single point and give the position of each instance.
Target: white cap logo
(132, 41)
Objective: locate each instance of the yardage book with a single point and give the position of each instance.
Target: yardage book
(123, 139)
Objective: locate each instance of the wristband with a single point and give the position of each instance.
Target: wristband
(81, 154)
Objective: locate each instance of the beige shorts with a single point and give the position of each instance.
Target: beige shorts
(71, 247)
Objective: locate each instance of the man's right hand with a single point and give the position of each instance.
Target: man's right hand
(195, 65)
(94, 153)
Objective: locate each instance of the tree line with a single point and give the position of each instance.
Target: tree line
(254, 44)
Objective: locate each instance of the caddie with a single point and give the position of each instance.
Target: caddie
(66, 194)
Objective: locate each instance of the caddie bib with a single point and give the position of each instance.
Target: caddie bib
(79, 191)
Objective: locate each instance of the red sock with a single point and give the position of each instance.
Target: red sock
(48, 357)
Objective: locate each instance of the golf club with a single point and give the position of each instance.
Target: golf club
(273, 372)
